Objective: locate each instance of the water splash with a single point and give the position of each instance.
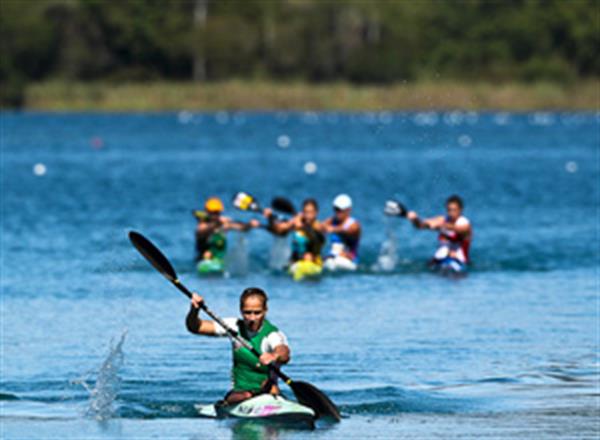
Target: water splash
(104, 393)
(279, 254)
(236, 260)
(388, 253)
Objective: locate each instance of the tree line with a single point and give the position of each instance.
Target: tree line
(359, 41)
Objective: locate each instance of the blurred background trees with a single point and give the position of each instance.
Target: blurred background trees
(312, 40)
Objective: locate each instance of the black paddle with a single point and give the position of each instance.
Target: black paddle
(284, 205)
(306, 393)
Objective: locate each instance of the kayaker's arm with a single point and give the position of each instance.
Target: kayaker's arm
(280, 355)
(461, 229)
(205, 228)
(277, 227)
(228, 224)
(193, 322)
(352, 231)
(430, 223)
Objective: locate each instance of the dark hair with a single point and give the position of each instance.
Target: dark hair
(455, 199)
(253, 291)
(310, 201)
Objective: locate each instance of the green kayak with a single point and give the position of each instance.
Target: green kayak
(213, 266)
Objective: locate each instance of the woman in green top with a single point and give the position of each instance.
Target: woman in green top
(250, 375)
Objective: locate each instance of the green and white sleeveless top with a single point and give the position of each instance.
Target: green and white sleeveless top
(247, 374)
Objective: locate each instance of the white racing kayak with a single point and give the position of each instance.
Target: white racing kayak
(261, 407)
(449, 267)
(339, 264)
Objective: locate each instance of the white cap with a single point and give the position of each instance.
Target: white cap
(342, 201)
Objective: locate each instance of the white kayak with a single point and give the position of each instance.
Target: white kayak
(339, 263)
(261, 407)
(449, 266)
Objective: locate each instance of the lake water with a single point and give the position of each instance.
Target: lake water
(93, 339)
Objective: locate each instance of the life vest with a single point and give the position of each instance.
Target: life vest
(456, 240)
(306, 240)
(349, 243)
(216, 243)
(247, 373)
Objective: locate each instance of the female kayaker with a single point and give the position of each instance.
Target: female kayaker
(250, 376)
(307, 232)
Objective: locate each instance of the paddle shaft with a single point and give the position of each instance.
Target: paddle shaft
(231, 332)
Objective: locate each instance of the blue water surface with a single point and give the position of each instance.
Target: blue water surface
(93, 339)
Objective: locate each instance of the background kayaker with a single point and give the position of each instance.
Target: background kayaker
(250, 376)
(307, 232)
(211, 242)
(454, 228)
(344, 235)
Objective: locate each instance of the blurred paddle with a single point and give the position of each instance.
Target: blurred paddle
(395, 208)
(305, 393)
(245, 202)
(284, 205)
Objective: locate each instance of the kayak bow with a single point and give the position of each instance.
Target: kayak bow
(305, 269)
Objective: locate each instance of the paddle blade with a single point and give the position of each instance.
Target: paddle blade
(245, 202)
(314, 398)
(393, 207)
(153, 255)
(283, 205)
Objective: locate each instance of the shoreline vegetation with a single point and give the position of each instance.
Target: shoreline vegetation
(338, 96)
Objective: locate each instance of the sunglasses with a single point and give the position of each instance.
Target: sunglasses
(252, 312)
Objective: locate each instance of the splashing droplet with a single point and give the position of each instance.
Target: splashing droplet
(388, 253)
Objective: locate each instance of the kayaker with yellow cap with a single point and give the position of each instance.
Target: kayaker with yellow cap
(211, 241)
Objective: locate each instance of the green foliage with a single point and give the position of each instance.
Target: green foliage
(319, 40)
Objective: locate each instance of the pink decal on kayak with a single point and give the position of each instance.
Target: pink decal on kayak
(267, 410)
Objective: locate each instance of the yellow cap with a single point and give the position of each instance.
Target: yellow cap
(214, 204)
